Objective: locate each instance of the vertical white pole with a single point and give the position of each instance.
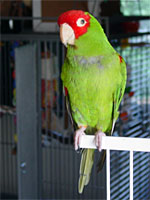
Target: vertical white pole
(131, 175)
(108, 173)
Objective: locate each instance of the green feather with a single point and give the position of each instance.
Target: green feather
(95, 80)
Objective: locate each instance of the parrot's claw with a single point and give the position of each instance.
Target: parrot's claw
(77, 137)
(98, 139)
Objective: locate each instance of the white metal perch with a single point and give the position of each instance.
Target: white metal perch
(120, 144)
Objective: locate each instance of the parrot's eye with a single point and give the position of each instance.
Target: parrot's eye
(81, 22)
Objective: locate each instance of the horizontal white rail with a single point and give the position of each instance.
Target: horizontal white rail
(117, 143)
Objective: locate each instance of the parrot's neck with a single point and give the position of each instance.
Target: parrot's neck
(91, 44)
(90, 48)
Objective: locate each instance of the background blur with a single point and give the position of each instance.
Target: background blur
(37, 159)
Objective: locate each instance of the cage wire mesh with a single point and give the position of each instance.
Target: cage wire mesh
(134, 120)
(60, 163)
(8, 164)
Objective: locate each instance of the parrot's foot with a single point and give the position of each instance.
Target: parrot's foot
(77, 137)
(98, 139)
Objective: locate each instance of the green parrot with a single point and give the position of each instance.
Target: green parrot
(94, 79)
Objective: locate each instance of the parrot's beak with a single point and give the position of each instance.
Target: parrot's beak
(67, 35)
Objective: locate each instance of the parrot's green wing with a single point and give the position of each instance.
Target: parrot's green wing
(117, 97)
(87, 154)
(120, 90)
(74, 124)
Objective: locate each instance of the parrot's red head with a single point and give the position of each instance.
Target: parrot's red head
(73, 24)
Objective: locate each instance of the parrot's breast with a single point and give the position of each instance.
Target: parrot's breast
(84, 62)
(90, 86)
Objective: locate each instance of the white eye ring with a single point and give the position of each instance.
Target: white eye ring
(81, 22)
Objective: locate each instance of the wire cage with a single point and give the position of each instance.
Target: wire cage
(59, 162)
(134, 120)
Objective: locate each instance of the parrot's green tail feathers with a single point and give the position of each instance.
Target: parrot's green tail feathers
(86, 164)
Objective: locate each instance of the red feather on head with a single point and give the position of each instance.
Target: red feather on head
(71, 17)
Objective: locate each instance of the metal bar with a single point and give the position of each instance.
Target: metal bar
(57, 80)
(108, 173)
(63, 98)
(107, 27)
(117, 143)
(131, 175)
(30, 37)
(5, 122)
(38, 117)
(27, 18)
(28, 126)
(45, 71)
(52, 154)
